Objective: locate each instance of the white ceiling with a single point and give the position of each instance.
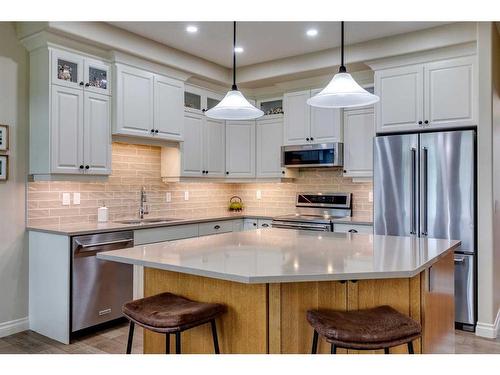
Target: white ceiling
(264, 41)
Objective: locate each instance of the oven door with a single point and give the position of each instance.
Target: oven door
(317, 227)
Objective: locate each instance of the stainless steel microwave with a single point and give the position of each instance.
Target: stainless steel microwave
(313, 155)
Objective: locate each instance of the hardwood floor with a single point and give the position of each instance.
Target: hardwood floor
(114, 341)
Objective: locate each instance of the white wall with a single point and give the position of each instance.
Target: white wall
(13, 241)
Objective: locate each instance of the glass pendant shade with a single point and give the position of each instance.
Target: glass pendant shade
(342, 92)
(234, 106)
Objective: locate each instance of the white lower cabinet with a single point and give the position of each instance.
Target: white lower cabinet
(353, 228)
(269, 140)
(214, 227)
(240, 149)
(250, 224)
(359, 130)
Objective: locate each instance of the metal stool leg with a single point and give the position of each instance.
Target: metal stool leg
(333, 349)
(177, 343)
(214, 336)
(167, 343)
(386, 350)
(130, 337)
(410, 348)
(314, 349)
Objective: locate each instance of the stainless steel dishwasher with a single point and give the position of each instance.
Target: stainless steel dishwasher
(99, 287)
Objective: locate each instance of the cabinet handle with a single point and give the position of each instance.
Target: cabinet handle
(426, 122)
(217, 227)
(152, 130)
(282, 172)
(156, 131)
(254, 224)
(81, 166)
(265, 225)
(81, 83)
(312, 139)
(352, 231)
(203, 110)
(227, 172)
(307, 139)
(87, 167)
(420, 122)
(87, 84)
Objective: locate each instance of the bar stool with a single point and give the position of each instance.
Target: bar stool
(171, 314)
(371, 329)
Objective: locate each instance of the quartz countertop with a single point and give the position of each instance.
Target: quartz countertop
(284, 255)
(113, 226)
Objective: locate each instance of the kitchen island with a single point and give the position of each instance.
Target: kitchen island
(269, 278)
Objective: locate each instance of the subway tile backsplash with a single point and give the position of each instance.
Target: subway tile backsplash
(135, 166)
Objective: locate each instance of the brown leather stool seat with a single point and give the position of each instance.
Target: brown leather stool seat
(377, 328)
(169, 313)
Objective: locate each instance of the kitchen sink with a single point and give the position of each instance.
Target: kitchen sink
(145, 221)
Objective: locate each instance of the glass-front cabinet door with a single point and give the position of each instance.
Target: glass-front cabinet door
(192, 101)
(67, 69)
(212, 102)
(97, 77)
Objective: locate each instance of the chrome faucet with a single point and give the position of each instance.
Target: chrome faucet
(143, 210)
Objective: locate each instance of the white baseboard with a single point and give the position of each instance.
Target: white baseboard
(14, 326)
(488, 330)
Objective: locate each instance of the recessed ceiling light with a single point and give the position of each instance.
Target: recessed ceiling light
(191, 29)
(238, 49)
(312, 32)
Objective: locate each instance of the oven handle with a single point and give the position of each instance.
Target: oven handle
(323, 228)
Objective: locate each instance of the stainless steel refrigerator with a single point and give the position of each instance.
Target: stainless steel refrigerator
(424, 185)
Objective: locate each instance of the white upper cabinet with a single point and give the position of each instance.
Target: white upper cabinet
(134, 102)
(450, 93)
(401, 93)
(326, 123)
(199, 100)
(269, 139)
(148, 104)
(215, 152)
(168, 108)
(297, 117)
(305, 124)
(192, 147)
(67, 69)
(240, 149)
(359, 130)
(67, 130)
(435, 95)
(73, 136)
(97, 134)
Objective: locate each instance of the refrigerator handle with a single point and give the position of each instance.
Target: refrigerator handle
(413, 198)
(424, 191)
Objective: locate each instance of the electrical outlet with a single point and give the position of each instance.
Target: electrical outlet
(76, 198)
(370, 196)
(258, 194)
(186, 195)
(168, 197)
(66, 199)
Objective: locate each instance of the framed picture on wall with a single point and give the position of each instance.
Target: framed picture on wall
(4, 167)
(4, 137)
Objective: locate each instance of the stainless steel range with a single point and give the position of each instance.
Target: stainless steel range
(315, 211)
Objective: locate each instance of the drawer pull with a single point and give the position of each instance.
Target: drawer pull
(265, 225)
(217, 227)
(104, 312)
(352, 231)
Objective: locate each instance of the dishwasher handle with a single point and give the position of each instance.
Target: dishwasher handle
(93, 245)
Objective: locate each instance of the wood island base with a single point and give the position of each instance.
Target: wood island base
(271, 318)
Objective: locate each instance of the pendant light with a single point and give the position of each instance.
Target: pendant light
(234, 106)
(342, 91)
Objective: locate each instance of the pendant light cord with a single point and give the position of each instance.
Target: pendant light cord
(342, 68)
(234, 87)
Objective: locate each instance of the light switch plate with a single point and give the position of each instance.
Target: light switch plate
(186, 195)
(259, 194)
(76, 198)
(168, 197)
(66, 199)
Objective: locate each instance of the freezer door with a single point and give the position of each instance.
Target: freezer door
(464, 289)
(396, 185)
(447, 186)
